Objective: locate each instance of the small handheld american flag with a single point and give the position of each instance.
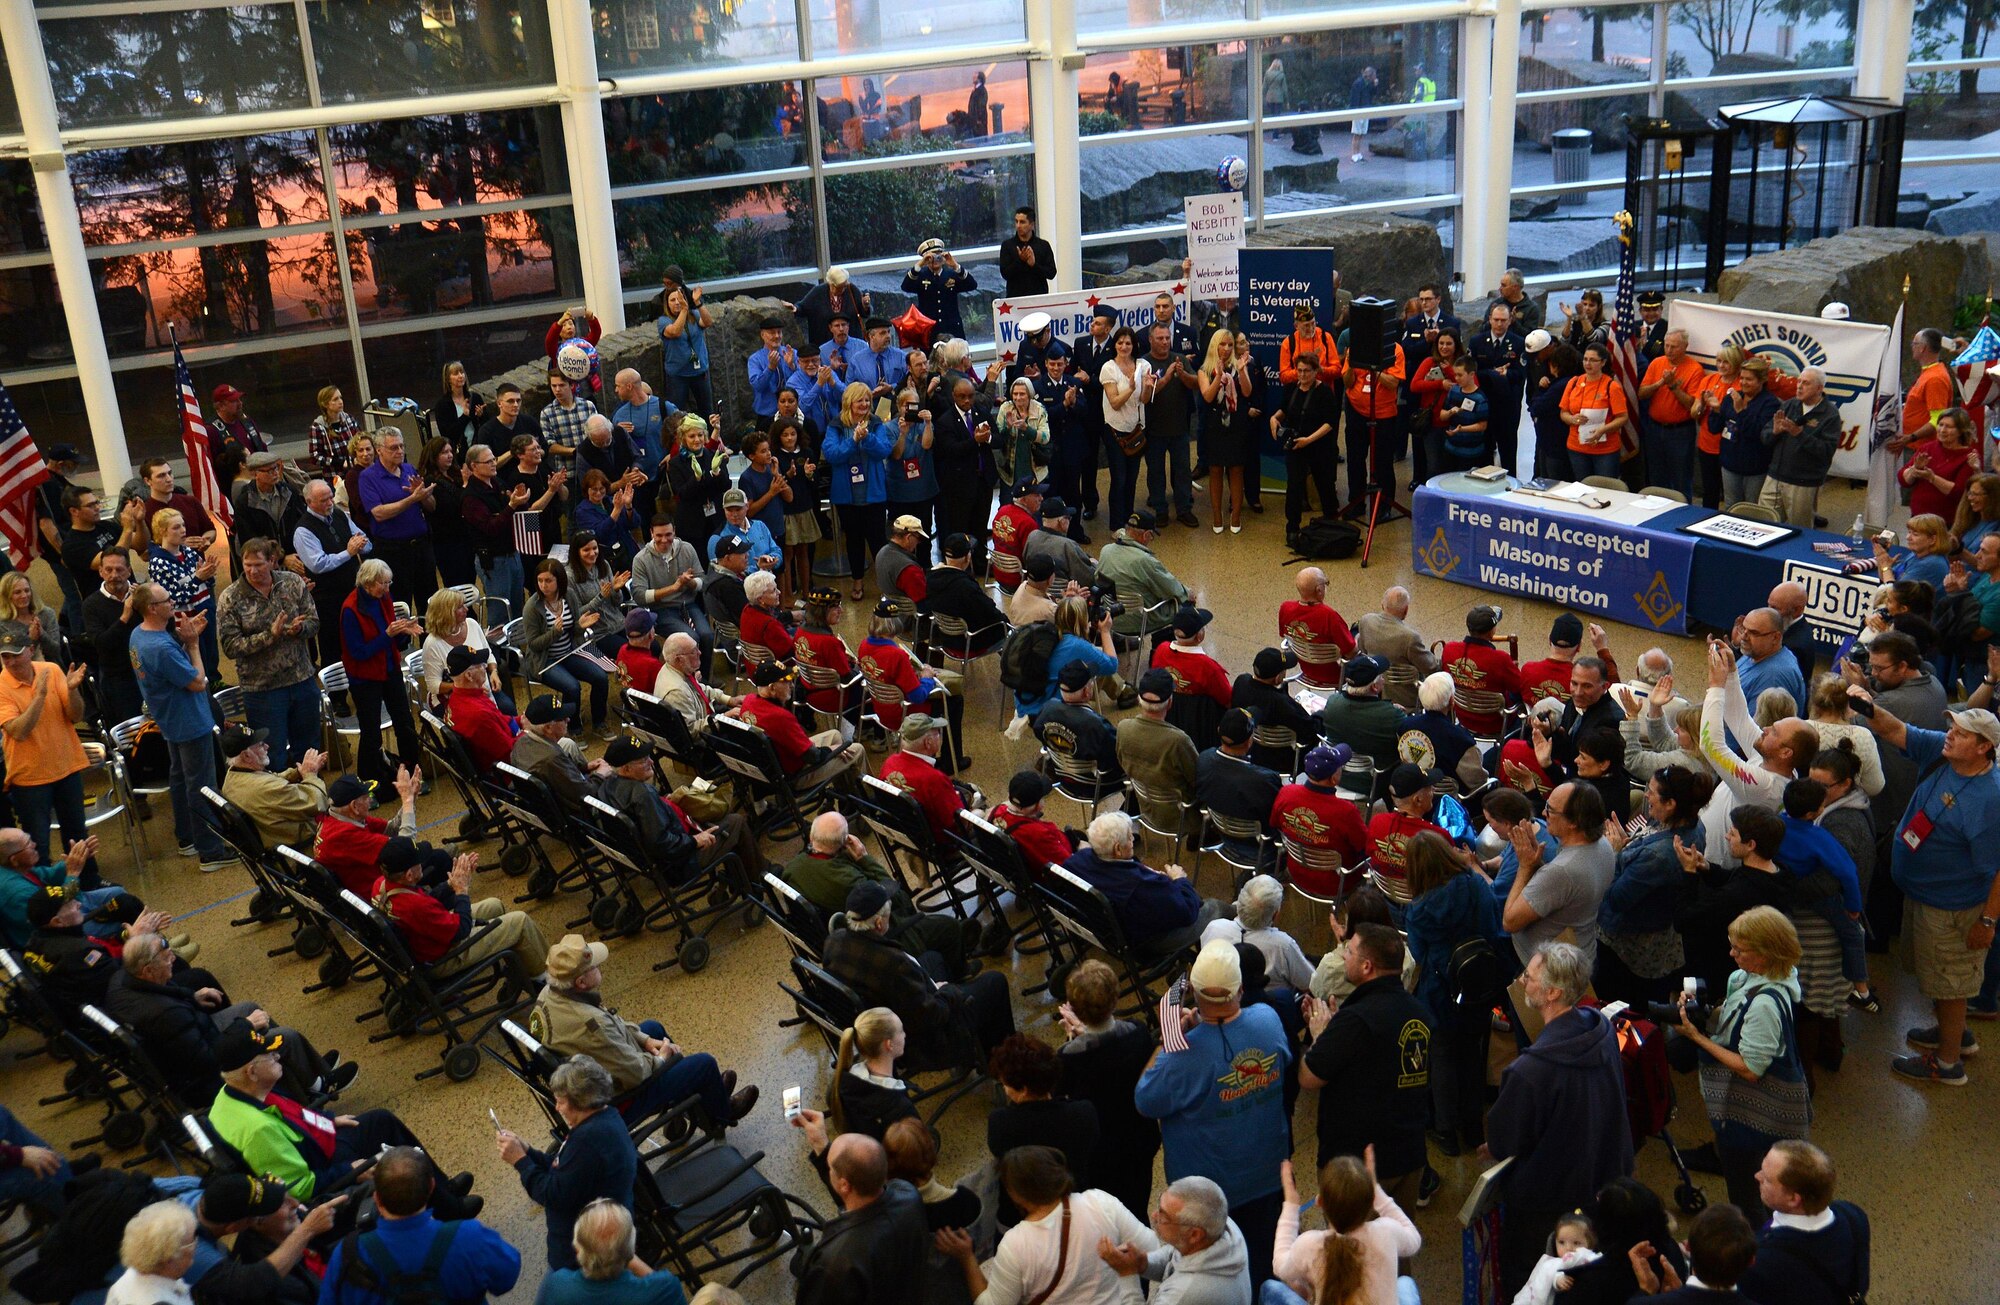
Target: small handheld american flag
(208, 489)
(22, 471)
(1172, 1036)
(528, 534)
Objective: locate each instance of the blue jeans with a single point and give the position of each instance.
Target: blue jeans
(568, 679)
(1593, 464)
(38, 804)
(43, 1195)
(191, 768)
(1124, 481)
(503, 578)
(292, 716)
(690, 619)
(1739, 488)
(694, 1075)
(1988, 999)
(1670, 456)
(1156, 456)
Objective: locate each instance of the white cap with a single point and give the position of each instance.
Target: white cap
(1835, 311)
(1537, 340)
(1034, 323)
(1217, 973)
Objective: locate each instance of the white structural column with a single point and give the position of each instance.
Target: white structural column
(60, 220)
(1052, 81)
(1882, 48)
(583, 142)
(1492, 44)
(1481, 270)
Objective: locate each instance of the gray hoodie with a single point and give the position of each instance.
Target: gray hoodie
(1219, 1275)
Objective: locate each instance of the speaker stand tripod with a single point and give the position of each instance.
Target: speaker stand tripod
(1383, 505)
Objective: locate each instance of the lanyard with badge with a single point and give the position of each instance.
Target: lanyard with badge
(1920, 826)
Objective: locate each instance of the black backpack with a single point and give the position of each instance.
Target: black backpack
(1324, 537)
(1024, 658)
(1957, 621)
(1474, 978)
(81, 1250)
(395, 1284)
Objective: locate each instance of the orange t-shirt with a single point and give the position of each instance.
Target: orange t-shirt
(1663, 407)
(1583, 393)
(50, 751)
(1931, 394)
(1373, 393)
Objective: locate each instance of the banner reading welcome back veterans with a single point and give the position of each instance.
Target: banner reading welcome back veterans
(1636, 577)
(1850, 353)
(1070, 312)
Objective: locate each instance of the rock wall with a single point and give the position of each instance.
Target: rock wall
(1387, 256)
(1864, 268)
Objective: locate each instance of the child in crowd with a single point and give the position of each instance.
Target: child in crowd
(1575, 1245)
(1828, 884)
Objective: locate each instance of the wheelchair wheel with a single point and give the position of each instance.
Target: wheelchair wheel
(265, 907)
(461, 1062)
(1690, 1198)
(335, 970)
(605, 913)
(765, 1223)
(753, 915)
(81, 1081)
(310, 943)
(124, 1130)
(693, 955)
(516, 861)
(471, 829)
(677, 1129)
(1059, 982)
(631, 918)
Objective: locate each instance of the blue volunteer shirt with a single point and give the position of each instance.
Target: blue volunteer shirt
(479, 1264)
(1221, 1104)
(1952, 869)
(165, 671)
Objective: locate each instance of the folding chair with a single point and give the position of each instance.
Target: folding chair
(963, 646)
(1324, 658)
(1277, 747)
(89, 1076)
(993, 855)
(801, 924)
(824, 679)
(421, 1000)
(1084, 925)
(616, 838)
(533, 811)
(1145, 796)
(1218, 834)
(148, 1107)
(312, 893)
(269, 903)
(743, 749)
(445, 754)
(931, 874)
(1085, 783)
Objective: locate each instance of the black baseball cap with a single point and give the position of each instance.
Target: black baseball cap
(624, 750)
(1027, 788)
(1407, 779)
(1157, 684)
(1038, 566)
(1142, 519)
(1192, 620)
(547, 708)
(773, 672)
(1030, 486)
(1273, 661)
(398, 855)
(1567, 632)
(1362, 670)
(1483, 618)
(1236, 726)
(236, 740)
(957, 544)
(1073, 676)
(347, 788)
(226, 1198)
(732, 544)
(240, 1043)
(463, 658)
(1053, 507)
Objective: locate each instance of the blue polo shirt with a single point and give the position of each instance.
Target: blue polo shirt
(646, 419)
(1953, 868)
(479, 1264)
(164, 672)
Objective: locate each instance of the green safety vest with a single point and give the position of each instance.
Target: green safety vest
(1427, 90)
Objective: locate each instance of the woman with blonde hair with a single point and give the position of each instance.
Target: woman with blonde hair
(1353, 1262)
(448, 624)
(1753, 1081)
(157, 1249)
(1831, 720)
(360, 457)
(856, 450)
(1739, 419)
(1933, 543)
(867, 1096)
(456, 413)
(18, 603)
(188, 577)
(1225, 434)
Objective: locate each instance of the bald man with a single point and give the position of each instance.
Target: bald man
(1389, 635)
(1788, 600)
(868, 1252)
(1308, 621)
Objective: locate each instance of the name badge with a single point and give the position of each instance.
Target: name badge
(912, 469)
(1916, 831)
(856, 475)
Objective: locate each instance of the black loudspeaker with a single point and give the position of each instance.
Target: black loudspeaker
(1369, 323)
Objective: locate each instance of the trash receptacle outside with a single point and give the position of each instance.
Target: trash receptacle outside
(1571, 148)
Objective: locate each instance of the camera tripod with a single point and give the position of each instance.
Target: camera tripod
(1383, 506)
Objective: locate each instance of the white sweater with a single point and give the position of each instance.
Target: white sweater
(1388, 1237)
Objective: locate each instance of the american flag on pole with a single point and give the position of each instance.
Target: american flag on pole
(22, 471)
(194, 442)
(1974, 381)
(1625, 329)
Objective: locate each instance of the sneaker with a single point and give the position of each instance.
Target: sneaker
(1128, 699)
(1427, 1187)
(1926, 1039)
(187, 849)
(1867, 1001)
(340, 1079)
(1975, 1011)
(1926, 1069)
(223, 863)
(189, 953)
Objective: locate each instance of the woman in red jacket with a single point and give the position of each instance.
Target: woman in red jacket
(1429, 386)
(372, 639)
(1939, 469)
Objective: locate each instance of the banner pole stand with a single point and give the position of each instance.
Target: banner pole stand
(1378, 491)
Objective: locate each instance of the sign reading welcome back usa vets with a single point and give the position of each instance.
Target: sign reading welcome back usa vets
(1634, 577)
(1070, 312)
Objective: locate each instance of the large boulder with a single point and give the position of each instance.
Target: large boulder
(1386, 256)
(1979, 211)
(733, 339)
(1865, 268)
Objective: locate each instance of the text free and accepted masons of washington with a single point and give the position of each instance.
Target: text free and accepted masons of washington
(1548, 530)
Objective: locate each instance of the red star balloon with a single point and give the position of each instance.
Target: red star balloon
(913, 328)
